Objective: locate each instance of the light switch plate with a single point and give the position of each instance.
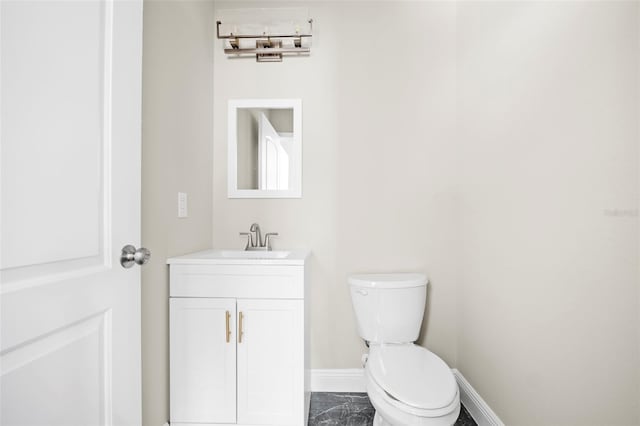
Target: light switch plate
(182, 204)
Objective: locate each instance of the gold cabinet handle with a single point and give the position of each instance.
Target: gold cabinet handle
(240, 333)
(228, 317)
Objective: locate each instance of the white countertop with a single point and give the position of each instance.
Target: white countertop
(241, 257)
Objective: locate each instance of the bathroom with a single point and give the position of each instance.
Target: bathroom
(493, 146)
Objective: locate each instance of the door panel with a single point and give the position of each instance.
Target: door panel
(203, 360)
(270, 362)
(58, 110)
(82, 345)
(70, 200)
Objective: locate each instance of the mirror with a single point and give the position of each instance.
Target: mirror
(265, 148)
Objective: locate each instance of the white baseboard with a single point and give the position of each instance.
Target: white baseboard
(475, 405)
(342, 380)
(352, 380)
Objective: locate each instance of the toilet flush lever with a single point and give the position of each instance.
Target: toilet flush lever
(362, 292)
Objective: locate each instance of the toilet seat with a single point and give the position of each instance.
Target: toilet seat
(394, 408)
(412, 379)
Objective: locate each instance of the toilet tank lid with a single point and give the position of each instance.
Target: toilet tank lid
(396, 280)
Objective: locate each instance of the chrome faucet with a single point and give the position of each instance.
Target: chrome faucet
(256, 229)
(257, 243)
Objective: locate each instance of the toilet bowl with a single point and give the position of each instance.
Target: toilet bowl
(409, 385)
(406, 383)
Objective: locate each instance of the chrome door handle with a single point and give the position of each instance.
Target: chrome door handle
(130, 256)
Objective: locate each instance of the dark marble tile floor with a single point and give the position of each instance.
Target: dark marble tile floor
(353, 409)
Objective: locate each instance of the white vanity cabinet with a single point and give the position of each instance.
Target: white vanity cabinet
(238, 340)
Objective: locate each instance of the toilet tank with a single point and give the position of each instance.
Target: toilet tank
(389, 307)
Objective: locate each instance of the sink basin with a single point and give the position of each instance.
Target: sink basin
(241, 257)
(242, 254)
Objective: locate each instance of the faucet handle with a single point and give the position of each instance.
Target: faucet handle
(249, 239)
(267, 239)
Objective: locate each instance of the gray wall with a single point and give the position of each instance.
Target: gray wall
(378, 160)
(177, 121)
(247, 140)
(548, 116)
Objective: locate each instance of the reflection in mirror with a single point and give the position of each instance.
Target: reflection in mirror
(265, 148)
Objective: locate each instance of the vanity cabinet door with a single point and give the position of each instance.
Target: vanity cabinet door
(270, 362)
(202, 360)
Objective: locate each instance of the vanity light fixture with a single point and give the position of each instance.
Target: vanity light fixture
(268, 47)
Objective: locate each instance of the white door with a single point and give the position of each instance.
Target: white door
(274, 159)
(203, 360)
(70, 200)
(271, 362)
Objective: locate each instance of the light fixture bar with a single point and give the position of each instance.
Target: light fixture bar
(266, 50)
(268, 46)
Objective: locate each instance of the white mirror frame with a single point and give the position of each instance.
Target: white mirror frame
(232, 155)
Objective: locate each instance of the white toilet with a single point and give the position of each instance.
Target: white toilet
(406, 383)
